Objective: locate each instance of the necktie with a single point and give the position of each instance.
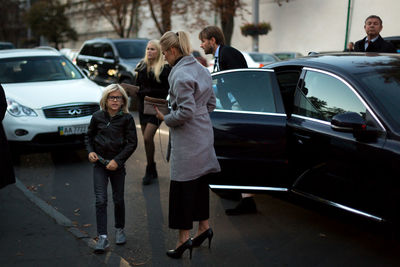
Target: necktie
(216, 64)
(368, 43)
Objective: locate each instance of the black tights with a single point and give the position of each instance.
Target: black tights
(148, 131)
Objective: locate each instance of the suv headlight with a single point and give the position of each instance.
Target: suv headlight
(18, 110)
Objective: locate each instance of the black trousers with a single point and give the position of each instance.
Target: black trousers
(100, 180)
(188, 202)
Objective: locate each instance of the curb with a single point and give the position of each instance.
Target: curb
(110, 258)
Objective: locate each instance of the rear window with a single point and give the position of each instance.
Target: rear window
(131, 49)
(246, 91)
(384, 86)
(37, 69)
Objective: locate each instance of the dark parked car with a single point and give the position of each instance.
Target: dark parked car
(6, 45)
(200, 58)
(395, 40)
(109, 61)
(324, 127)
(287, 55)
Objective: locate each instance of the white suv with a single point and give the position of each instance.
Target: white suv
(50, 101)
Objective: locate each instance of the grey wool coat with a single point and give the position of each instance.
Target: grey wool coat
(192, 137)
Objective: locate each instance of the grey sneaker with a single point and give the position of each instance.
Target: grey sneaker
(120, 237)
(101, 245)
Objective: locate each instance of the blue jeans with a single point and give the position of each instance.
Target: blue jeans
(100, 181)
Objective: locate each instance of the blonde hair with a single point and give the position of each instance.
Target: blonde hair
(158, 63)
(178, 40)
(112, 88)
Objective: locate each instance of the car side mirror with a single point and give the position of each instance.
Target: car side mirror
(108, 55)
(348, 122)
(352, 122)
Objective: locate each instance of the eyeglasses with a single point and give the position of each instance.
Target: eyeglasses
(114, 98)
(165, 51)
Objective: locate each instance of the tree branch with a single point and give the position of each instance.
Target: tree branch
(153, 15)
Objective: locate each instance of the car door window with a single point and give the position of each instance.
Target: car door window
(323, 96)
(87, 50)
(97, 50)
(244, 91)
(107, 49)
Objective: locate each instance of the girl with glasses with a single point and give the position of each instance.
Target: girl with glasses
(111, 141)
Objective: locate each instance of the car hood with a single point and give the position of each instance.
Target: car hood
(130, 63)
(41, 94)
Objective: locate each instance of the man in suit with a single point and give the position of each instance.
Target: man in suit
(373, 42)
(226, 57)
(350, 47)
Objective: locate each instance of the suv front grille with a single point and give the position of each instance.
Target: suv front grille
(72, 111)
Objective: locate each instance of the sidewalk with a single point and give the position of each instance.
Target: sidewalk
(35, 234)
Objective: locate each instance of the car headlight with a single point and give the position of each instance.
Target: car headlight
(18, 110)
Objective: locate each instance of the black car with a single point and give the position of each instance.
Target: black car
(395, 40)
(108, 61)
(6, 45)
(326, 127)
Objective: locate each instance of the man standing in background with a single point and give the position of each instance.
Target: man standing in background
(373, 42)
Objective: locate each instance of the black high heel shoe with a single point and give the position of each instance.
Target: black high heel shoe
(198, 240)
(177, 253)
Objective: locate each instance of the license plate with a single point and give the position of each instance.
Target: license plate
(74, 129)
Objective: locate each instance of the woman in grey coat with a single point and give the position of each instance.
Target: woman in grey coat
(192, 157)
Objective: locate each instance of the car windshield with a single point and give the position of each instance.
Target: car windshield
(262, 57)
(131, 49)
(37, 69)
(385, 89)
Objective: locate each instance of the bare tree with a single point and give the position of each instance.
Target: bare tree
(121, 14)
(164, 7)
(48, 19)
(227, 10)
(11, 22)
(192, 12)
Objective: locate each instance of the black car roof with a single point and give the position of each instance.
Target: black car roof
(343, 63)
(110, 40)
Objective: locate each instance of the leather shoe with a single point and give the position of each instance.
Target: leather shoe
(246, 205)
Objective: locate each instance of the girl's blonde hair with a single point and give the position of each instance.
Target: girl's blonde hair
(179, 40)
(112, 88)
(158, 63)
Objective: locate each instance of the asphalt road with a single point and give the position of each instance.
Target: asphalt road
(286, 231)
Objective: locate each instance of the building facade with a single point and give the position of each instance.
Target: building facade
(297, 25)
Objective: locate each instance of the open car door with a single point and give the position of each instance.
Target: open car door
(249, 131)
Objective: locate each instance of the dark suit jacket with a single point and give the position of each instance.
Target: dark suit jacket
(230, 58)
(6, 166)
(379, 45)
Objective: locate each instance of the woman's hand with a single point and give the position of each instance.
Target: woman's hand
(93, 157)
(159, 115)
(112, 166)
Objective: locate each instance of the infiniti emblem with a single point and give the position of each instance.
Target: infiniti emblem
(75, 111)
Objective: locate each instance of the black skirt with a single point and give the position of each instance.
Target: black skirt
(188, 202)
(144, 119)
